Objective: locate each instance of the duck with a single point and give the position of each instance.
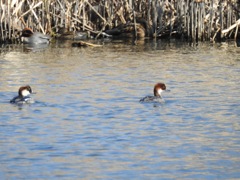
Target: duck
(23, 95)
(157, 91)
(64, 34)
(128, 30)
(30, 37)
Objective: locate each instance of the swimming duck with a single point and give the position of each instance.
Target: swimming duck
(64, 34)
(157, 91)
(128, 30)
(23, 95)
(30, 37)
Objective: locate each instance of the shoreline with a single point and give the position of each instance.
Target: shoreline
(197, 20)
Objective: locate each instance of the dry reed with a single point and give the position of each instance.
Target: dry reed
(192, 19)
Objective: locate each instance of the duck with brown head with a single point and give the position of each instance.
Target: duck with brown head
(30, 37)
(65, 34)
(157, 91)
(23, 95)
(127, 30)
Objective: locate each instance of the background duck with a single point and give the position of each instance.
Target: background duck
(30, 37)
(128, 30)
(65, 34)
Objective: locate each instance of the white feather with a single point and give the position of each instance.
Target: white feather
(25, 93)
(160, 91)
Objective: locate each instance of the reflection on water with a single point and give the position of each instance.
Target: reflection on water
(87, 121)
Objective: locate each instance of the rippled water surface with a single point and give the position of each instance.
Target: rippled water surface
(87, 122)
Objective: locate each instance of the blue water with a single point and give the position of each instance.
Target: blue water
(87, 122)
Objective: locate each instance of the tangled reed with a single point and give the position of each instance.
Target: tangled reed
(191, 19)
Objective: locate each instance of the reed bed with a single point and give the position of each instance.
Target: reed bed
(191, 19)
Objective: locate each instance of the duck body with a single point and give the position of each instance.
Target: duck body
(140, 29)
(64, 34)
(30, 37)
(127, 31)
(21, 100)
(151, 99)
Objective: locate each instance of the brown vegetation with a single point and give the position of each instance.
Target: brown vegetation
(192, 19)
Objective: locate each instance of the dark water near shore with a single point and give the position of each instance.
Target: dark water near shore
(87, 122)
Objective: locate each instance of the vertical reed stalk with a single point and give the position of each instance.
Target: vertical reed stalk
(196, 19)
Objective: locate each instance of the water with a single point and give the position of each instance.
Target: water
(87, 122)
